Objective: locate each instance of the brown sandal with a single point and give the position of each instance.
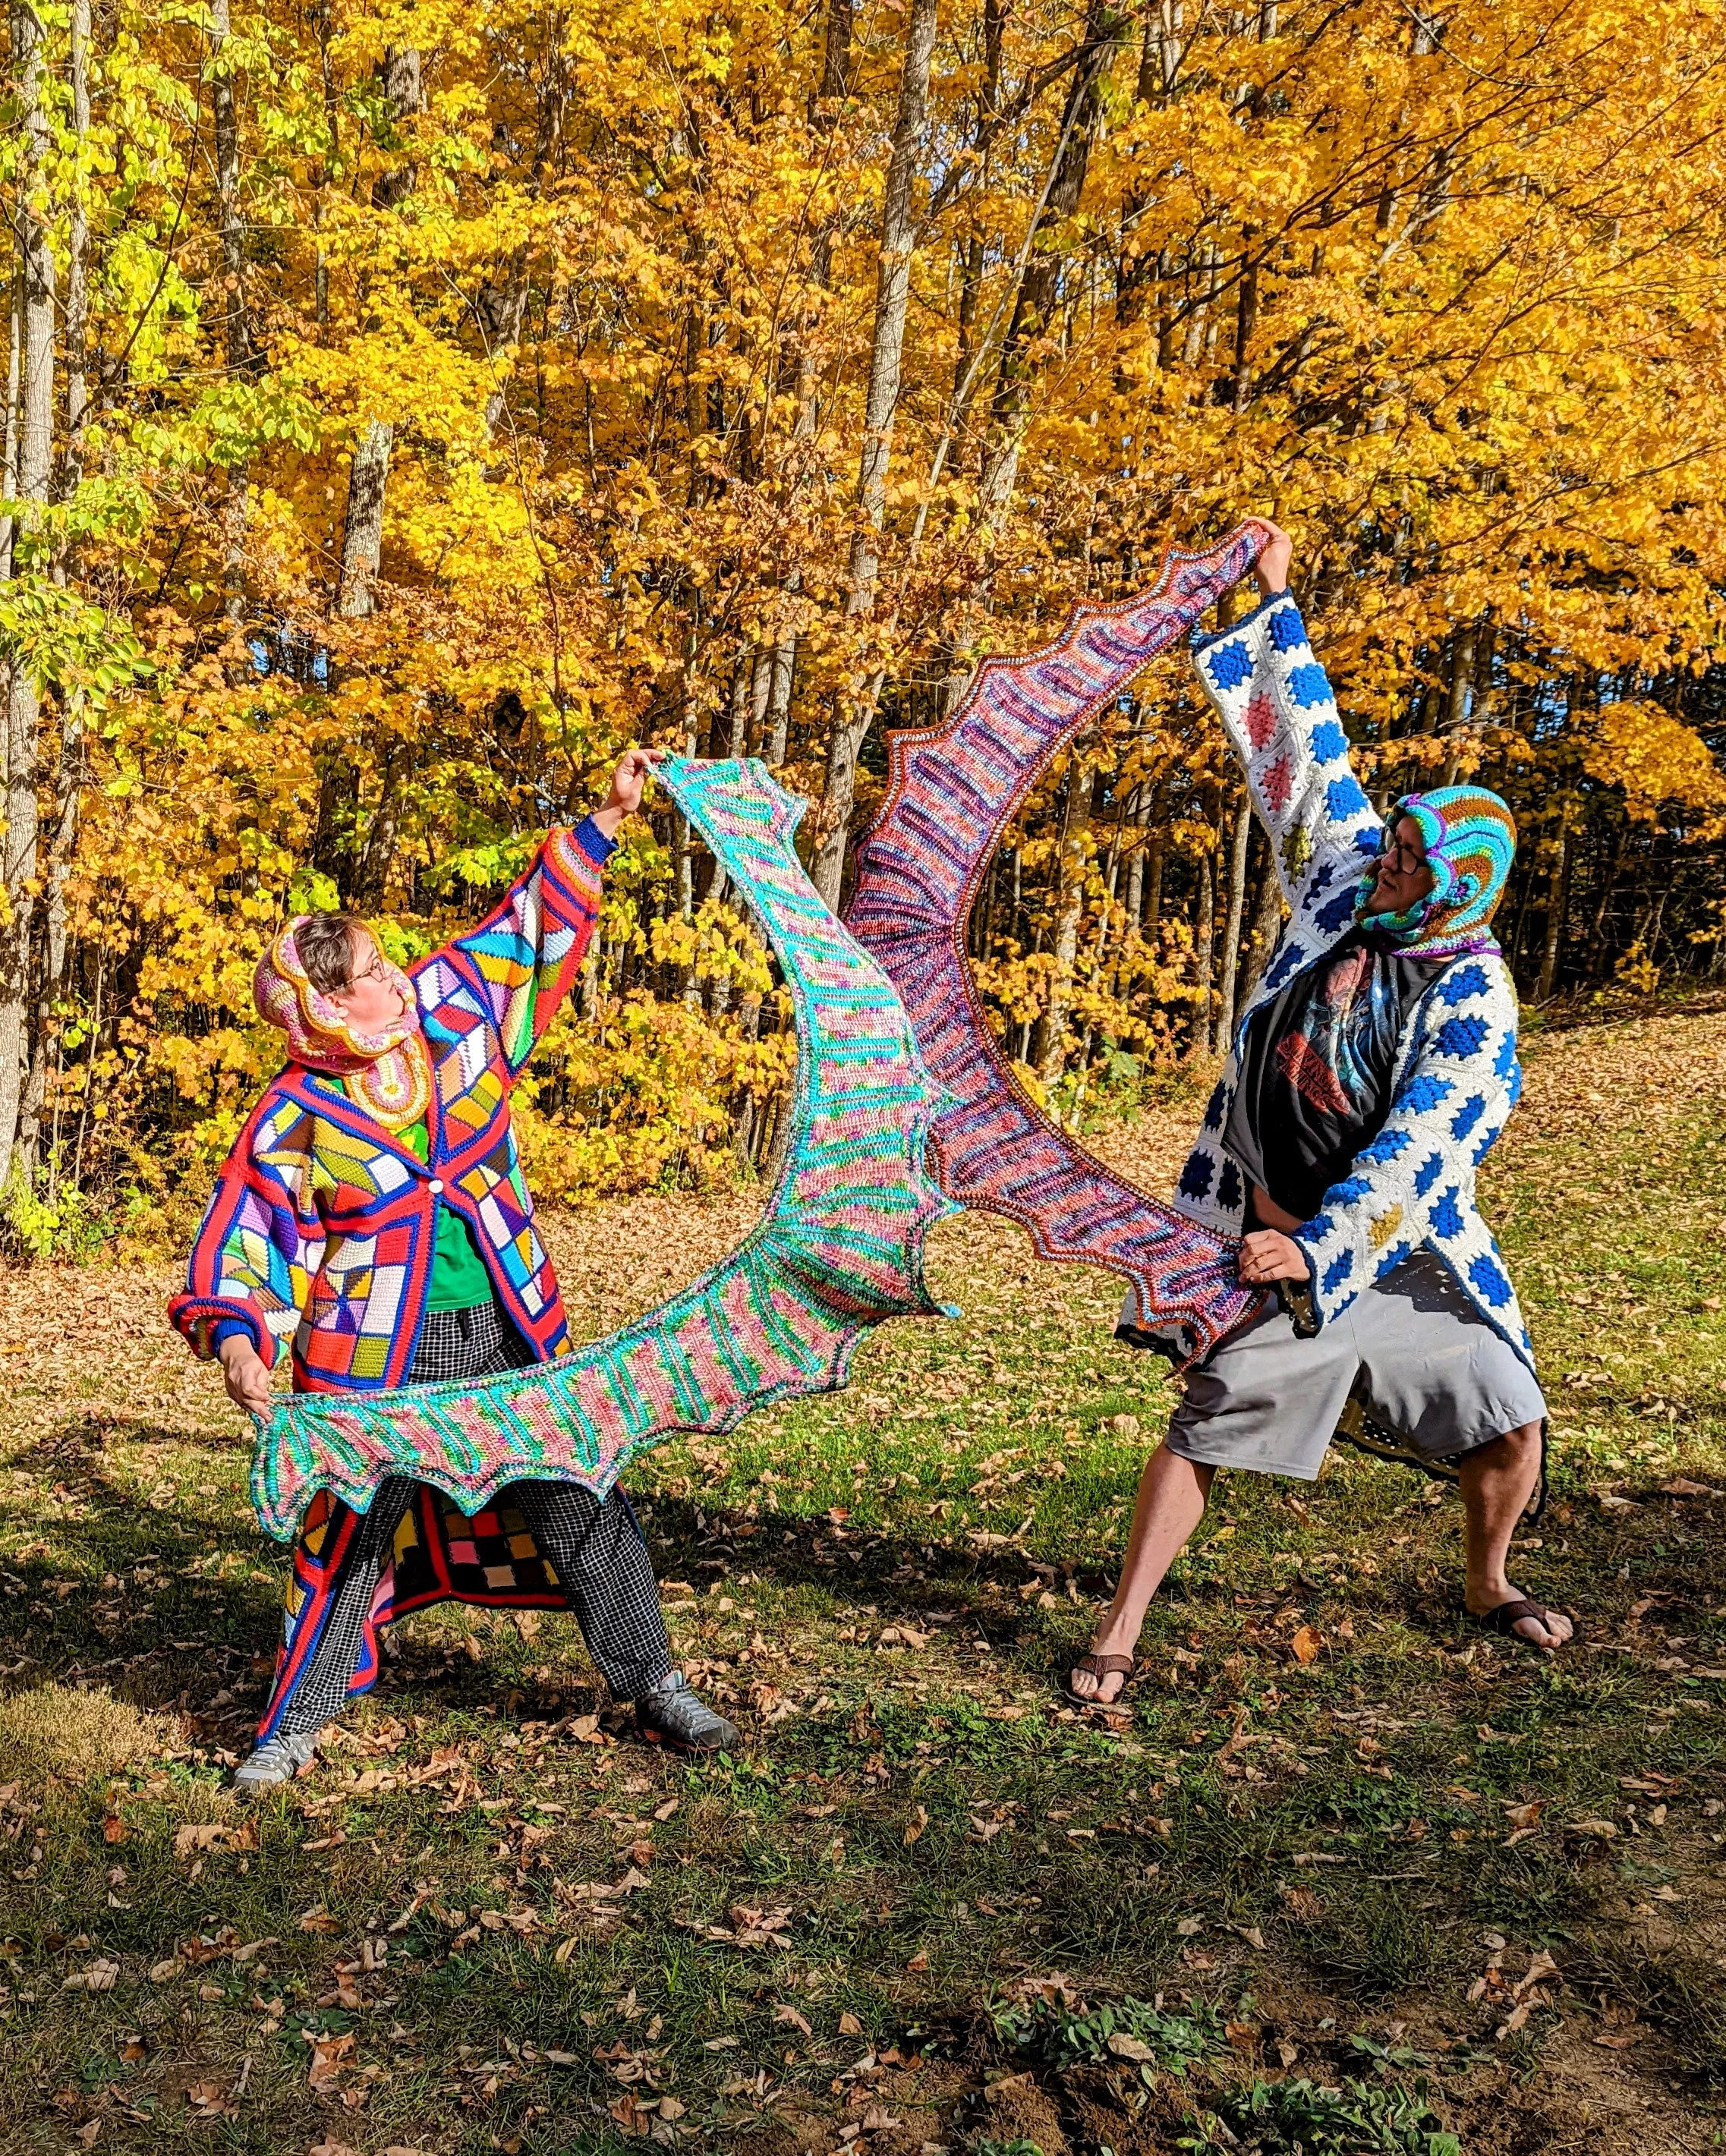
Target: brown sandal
(1099, 1665)
(1504, 1617)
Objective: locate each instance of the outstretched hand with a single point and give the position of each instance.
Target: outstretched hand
(1267, 1254)
(627, 782)
(1272, 565)
(245, 1375)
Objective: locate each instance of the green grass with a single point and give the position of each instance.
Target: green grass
(1313, 1859)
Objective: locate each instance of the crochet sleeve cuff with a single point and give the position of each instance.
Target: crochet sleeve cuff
(207, 1321)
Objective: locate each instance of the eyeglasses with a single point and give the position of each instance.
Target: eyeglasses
(379, 971)
(1398, 856)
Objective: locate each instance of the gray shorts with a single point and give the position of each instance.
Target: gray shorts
(1432, 1369)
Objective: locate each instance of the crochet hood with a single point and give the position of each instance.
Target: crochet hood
(1470, 837)
(387, 1070)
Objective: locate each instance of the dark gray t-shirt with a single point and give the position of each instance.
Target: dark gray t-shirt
(1315, 1070)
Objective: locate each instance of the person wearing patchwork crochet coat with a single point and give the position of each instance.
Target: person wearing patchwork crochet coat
(370, 1228)
(1372, 1070)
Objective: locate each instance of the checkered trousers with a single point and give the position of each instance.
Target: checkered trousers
(596, 1549)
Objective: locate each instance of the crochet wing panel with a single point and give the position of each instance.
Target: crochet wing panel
(839, 1248)
(952, 791)
(1456, 1082)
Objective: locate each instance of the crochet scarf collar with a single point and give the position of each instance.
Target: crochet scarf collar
(1470, 837)
(386, 1072)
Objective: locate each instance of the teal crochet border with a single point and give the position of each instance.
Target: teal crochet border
(838, 1249)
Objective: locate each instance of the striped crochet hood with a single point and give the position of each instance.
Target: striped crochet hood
(1470, 838)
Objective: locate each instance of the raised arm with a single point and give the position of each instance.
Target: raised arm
(523, 958)
(1276, 705)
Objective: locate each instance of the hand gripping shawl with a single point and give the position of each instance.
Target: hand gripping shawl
(839, 1248)
(952, 791)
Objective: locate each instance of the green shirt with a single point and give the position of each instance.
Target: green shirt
(459, 1277)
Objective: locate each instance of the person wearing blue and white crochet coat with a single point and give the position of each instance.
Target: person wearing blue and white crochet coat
(1372, 1070)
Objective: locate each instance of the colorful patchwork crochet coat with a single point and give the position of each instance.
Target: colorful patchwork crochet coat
(321, 1233)
(1456, 1077)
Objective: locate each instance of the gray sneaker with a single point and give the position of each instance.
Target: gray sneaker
(672, 1714)
(275, 1762)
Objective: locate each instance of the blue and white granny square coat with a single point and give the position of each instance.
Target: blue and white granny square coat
(1455, 1078)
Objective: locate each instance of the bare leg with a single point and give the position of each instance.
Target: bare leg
(1172, 1497)
(1497, 1481)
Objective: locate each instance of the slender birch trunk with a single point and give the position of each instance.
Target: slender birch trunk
(369, 475)
(898, 238)
(35, 465)
(62, 829)
(225, 127)
(1071, 866)
(1204, 952)
(1231, 932)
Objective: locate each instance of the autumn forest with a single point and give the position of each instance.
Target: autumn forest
(411, 405)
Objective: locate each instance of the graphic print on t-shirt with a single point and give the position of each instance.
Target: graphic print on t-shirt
(1319, 1057)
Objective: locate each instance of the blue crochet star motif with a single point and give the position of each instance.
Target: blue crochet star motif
(1351, 1186)
(1468, 1116)
(1343, 798)
(1227, 1189)
(1329, 742)
(1308, 684)
(1337, 914)
(1385, 1147)
(1459, 985)
(1446, 1215)
(1288, 632)
(1428, 1172)
(1488, 1281)
(1338, 1271)
(1504, 1064)
(1195, 1177)
(1288, 962)
(1460, 1036)
(1393, 1258)
(1422, 1093)
(1230, 665)
(1217, 1106)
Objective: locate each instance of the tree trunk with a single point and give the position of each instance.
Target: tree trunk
(1040, 281)
(368, 478)
(1069, 907)
(63, 833)
(1231, 932)
(35, 465)
(226, 128)
(1559, 892)
(1204, 939)
(898, 238)
(363, 532)
(1266, 925)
